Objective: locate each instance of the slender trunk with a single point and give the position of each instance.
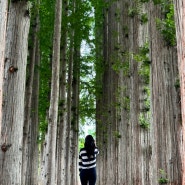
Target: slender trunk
(3, 18)
(34, 153)
(14, 90)
(69, 101)
(28, 105)
(53, 109)
(61, 139)
(75, 112)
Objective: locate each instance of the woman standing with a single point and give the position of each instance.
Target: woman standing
(87, 161)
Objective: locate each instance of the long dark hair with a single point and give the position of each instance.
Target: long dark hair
(89, 145)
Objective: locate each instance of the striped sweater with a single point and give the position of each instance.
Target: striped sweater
(85, 162)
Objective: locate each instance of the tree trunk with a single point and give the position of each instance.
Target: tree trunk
(69, 107)
(53, 109)
(14, 90)
(61, 139)
(75, 111)
(166, 125)
(34, 132)
(180, 32)
(28, 106)
(130, 152)
(3, 18)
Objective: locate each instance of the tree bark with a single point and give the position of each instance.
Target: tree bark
(132, 154)
(61, 139)
(14, 90)
(75, 111)
(69, 107)
(34, 128)
(165, 107)
(3, 18)
(28, 106)
(53, 109)
(180, 32)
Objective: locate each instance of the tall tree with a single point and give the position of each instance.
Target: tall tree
(3, 18)
(28, 100)
(124, 132)
(34, 132)
(14, 90)
(61, 139)
(165, 95)
(69, 107)
(53, 109)
(180, 32)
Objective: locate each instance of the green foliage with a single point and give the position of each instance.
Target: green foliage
(143, 58)
(122, 64)
(87, 89)
(81, 143)
(157, 1)
(126, 103)
(144, 1)
(144, 18)
(125, 31)
(177, 83)
(135, 9)
(166, 26)
(132, 12)
(117, 135)
(43, 126)
(144, 50)
(162, 179)
(143, 121)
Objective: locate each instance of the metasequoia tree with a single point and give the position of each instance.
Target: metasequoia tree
(13, 93)
(3, 18)
(135, 148)
(165, 104)
(75, 108)
(30, 129)
(69, 110)
(180, 32)
(50, 177)
(61, 139)
(27, 140)
(32, 176)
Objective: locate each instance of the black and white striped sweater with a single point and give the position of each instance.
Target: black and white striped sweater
(85, 162)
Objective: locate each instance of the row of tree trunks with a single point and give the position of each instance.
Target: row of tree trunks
(21, 167)
(50, 170)
(132, 154)
(180, 32)
(14, 91)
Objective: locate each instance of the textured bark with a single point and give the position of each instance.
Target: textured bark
(75, 112)
(69, 107)
(33, 151)
(131, 154)
(3, 18)
(166, 126)
(53, 109)
(14, 90)
(28, 109)
(107, 126)
(180, 32)
(61, 139)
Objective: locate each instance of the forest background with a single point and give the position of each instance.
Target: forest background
(116, 64)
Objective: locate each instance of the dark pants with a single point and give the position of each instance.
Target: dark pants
(88, 175)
